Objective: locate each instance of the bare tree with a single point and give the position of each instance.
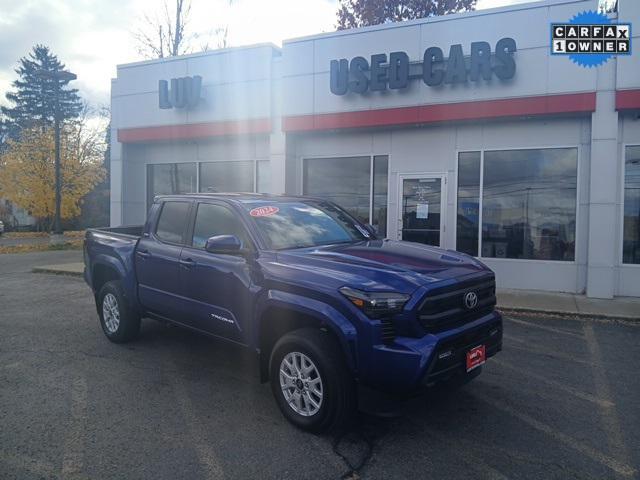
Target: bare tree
(218, 35)
(165, 35)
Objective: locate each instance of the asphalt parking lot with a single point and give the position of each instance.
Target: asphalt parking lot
(561, 401)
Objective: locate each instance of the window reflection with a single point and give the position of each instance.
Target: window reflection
(297, 225)
(263, 175)
(380, 178)
(468, 203)
(529, 204)
(213, 220)
(226, 177)
(631, 235)
(344, 181)
(170, 179)
(172, 221)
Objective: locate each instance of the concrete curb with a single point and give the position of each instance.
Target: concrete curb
(565, 314)
(58, 270)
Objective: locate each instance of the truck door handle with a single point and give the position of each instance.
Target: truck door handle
(143, 253)
(187, 263)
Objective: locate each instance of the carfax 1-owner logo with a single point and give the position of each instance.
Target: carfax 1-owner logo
(590, 39)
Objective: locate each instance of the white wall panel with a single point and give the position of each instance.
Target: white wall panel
(483, 26)
(143, 77)
(535, 275)
(297, 58)
(628, 76)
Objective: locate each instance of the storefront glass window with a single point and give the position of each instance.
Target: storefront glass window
(631, 235)
(263, 176)
(529, 204)
(226, 177)
(527, 199)
(170, 178)
(380, 177)
(468, 216)
(345, 181)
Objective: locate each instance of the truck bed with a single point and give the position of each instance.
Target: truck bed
(127, 230)
(112, 248)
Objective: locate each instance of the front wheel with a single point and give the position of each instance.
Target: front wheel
(311, 382)
(119, 323)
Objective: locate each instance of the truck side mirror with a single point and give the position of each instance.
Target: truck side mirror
(226, 244)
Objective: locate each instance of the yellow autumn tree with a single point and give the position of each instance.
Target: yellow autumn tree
(27, 169)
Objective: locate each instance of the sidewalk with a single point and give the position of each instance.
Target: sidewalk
(626, 308)
(529, 301)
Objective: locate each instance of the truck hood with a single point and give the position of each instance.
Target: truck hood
(378, 265)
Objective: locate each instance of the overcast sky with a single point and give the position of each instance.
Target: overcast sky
(92, 36)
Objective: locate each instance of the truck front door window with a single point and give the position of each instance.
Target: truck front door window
(212, 220)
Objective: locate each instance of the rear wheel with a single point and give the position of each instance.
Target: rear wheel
(119, 323)
(311, 382)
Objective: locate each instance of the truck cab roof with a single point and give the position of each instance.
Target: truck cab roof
(239, 197)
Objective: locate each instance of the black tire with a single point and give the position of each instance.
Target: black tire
(128, 326)
(338, 404)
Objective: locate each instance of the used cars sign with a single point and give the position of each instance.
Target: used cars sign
(381, 73)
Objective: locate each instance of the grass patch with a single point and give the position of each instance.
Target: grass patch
(75, 244)
(71, 234)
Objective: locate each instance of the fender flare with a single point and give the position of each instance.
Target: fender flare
(102, 260)
(326, 315)
(116, 265)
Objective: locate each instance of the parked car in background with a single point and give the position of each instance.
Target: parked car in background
(323, 304)
(1, 227)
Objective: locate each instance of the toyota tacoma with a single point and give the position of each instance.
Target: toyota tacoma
(327, 308)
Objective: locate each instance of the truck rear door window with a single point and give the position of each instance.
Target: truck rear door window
(172, 221)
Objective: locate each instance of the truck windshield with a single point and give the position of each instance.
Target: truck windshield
(287, 225)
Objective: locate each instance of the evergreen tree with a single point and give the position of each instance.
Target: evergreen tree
(34, 97)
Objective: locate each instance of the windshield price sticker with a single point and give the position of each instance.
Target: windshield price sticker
(264, 211)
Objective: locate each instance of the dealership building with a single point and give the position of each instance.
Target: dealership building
(463, 131)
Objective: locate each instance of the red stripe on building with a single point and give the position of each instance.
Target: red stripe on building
(194, 130)
(627, 99)
(525, 106)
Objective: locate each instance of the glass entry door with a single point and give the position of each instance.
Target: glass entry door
(421, 216)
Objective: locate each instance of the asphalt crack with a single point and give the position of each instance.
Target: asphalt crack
(359, 440)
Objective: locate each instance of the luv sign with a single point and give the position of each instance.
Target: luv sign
(184, 92)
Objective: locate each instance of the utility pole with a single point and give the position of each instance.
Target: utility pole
(60, 76)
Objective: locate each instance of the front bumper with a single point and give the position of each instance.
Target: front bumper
(410, 363)
(450, 356)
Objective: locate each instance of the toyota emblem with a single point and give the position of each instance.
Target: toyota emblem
(471, 300)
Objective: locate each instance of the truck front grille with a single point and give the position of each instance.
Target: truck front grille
(388, 332)
(444, 308)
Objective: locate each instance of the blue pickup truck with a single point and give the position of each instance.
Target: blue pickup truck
(327, 307)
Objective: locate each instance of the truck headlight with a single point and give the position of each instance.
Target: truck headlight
(376, 304)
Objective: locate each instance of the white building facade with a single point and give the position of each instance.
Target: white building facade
(461, 131)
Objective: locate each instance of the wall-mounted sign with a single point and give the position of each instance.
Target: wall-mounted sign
(590, 39)
(395, 71)
(184, 92)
